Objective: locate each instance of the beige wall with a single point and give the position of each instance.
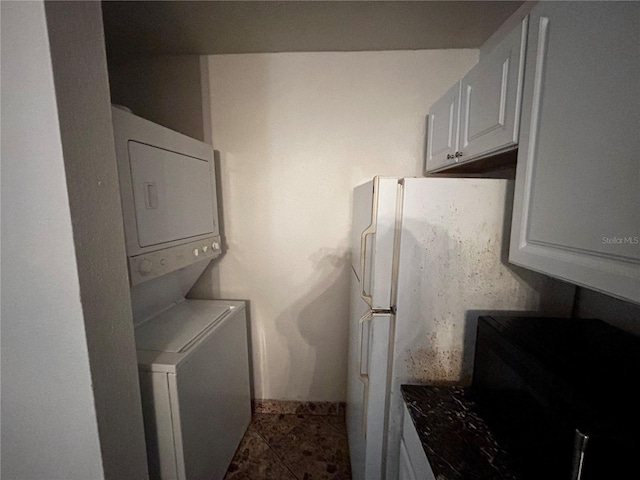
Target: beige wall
(296, 132)
(624, 315)
(84, 113)
(165, 89)
(49, 424)
(70, 396)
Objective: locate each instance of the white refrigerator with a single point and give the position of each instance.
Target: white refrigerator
(427, 258)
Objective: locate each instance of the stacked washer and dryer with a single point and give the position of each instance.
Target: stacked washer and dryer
(192, 354)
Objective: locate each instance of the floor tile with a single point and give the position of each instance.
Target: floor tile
(288, 407)
(255, 460)
(293, 447)
(271, 426)
(313, 456)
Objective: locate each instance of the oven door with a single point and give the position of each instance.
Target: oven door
(549, 428)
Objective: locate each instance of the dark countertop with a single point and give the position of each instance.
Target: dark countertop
(456, 439)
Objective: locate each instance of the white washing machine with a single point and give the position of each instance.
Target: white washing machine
(192, 354)
(194, 380)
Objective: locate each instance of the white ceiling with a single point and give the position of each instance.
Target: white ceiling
(211, 27)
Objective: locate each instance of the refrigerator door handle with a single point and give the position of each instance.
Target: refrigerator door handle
(365, 318)
(370, 230)
(364, 377)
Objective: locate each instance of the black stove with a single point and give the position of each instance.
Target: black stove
(561, 395)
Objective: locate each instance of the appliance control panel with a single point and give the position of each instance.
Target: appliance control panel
(155, 264)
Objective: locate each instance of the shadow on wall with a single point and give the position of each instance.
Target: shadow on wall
(235, 159)
(315, 329)
(208, 285)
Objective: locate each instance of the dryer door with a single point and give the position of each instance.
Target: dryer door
(173, 195)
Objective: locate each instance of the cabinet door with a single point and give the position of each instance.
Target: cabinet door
(442, 128)
(406, 469)
(413, 460)
(577, 197)
(491, 96)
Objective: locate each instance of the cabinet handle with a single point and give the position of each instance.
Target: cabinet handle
(449, 156)
(458, 154)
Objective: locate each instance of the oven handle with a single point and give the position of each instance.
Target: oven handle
(580, 442)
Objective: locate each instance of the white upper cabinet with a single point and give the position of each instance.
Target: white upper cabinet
(491, 96)
(442, 130)
(577, 196)
(480, 115)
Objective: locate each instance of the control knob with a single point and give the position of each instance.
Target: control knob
(145, 267)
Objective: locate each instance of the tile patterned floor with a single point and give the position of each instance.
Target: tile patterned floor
(292, 447)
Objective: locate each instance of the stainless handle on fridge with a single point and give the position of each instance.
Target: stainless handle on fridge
(370, 230)
(364, 377)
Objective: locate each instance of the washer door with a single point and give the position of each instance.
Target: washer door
(176, 329)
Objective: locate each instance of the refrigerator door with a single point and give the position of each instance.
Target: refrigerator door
(367, 386)
(375, 205)
(451, 266)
